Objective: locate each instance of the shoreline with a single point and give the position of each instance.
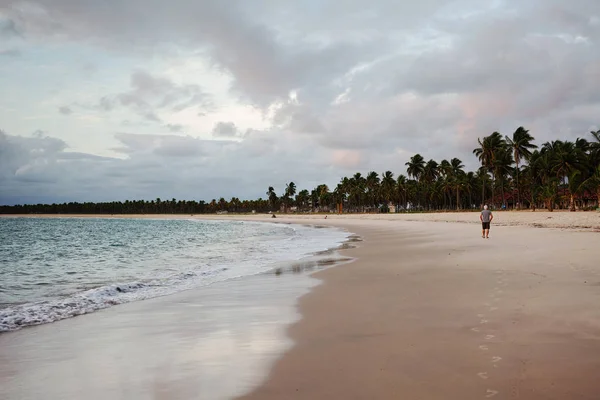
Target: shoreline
(256, 309)
(303, 262)
(576, 221)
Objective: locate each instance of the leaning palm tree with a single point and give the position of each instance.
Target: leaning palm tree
(290, 191)
(272, 196)
(521, 147)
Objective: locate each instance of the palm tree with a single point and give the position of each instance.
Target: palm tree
(593, 183)
(487, 152)
(372, 186)
(594, 159)
(401, 187)
(521, 146)
(470, 183)
(387, 186)
(416, 166)
(272, 197)
(357, 190)
(323, 193)
(457, 177)
(302, 199)
(501, 167)
(290, 189)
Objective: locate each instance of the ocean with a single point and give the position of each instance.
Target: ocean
(56, 268)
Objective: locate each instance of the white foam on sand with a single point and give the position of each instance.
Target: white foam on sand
(258, 258)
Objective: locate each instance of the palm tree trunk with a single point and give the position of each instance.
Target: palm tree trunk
(457, 199)
(518, 190)
(572, 202)
(482, 190)
(493, 187)
(502, 188)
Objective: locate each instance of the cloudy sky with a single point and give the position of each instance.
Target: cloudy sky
(197, 99)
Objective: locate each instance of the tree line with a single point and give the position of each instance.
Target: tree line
(514, 173)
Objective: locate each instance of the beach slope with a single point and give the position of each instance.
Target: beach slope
(433, 311)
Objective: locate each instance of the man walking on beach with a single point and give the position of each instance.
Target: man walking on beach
(485, 217)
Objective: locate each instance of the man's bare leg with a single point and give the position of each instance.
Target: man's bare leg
(487, 233)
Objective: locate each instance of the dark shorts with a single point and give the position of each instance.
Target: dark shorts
(485, 225)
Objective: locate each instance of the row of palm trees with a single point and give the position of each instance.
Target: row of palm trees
(514, 173)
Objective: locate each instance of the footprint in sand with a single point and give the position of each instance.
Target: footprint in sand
(483, 347)
(496, 359)
(491, 393)
(493, 308)
(475, 329)
(483, 321)
(480, 315)
(483, 375)
(489, 337)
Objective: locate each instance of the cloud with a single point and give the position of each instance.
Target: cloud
(39, 168)
(65, 110)
(174, 127)
(150, 95)
(224, 129)
(339, 85)
(8, 28)
(9, 53)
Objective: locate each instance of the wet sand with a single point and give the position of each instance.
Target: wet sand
(433, 311)
(214, 342)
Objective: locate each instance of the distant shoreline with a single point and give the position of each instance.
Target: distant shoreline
(559, 219)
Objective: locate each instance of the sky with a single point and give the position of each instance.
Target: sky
(200, 99)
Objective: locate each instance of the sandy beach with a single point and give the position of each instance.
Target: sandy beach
(433, 311)
(428, 310)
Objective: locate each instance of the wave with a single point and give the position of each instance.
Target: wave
(258, 256)
(19, 316)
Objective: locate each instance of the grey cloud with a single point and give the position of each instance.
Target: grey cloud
(10, 53)
(150, 94)
(65, 110)
(8, 28)
(174, 127)
(225, 129)
(160, 165)
(263, 68)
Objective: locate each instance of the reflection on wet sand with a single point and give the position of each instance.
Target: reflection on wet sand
(216, 342)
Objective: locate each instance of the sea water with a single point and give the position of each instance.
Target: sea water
(56, 268)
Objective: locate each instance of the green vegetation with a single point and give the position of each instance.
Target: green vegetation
(514, 173)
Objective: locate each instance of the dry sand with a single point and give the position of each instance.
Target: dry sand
(433, 311)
